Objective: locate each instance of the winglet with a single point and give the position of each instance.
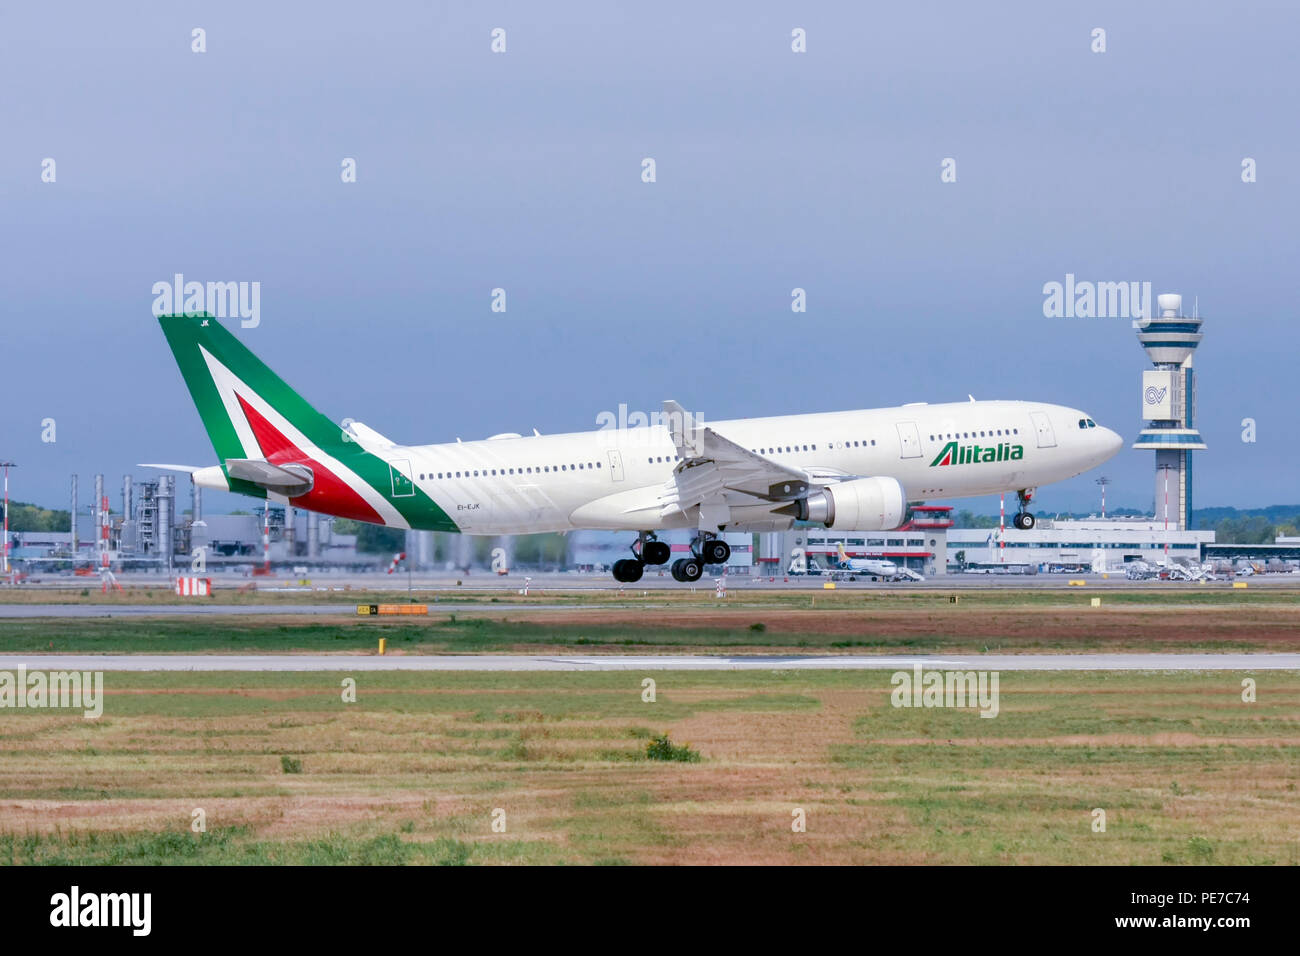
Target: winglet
(683, 428)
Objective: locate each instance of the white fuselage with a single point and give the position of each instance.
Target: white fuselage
(615, 478)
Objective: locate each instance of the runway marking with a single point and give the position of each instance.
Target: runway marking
(561, 663)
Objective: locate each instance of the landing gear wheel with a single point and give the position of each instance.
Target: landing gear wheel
(687, 569)
(656, 552)
(1024, 519)
(715, 551)
(627, 571)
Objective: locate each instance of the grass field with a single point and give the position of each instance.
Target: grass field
(913, 624)
(286, 771)
(1265, 591)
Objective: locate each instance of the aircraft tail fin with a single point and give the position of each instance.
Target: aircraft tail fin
(246, 408)
(270, 441)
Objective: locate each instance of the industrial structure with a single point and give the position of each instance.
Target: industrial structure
(150, 531)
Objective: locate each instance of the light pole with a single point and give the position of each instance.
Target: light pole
(1165, 469)
(7, 466)
(1103, 481)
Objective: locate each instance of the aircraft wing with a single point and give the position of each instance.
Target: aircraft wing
(715, 473)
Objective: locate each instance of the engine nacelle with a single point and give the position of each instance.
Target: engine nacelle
(863, 504)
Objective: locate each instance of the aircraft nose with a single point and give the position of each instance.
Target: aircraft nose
(1111, 442)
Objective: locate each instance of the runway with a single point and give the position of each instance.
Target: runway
(254, 663)
(261, 610)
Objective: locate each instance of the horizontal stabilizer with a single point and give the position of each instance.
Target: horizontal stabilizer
(188, 469)
(288, 480)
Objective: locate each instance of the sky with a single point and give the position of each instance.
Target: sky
(523, 170)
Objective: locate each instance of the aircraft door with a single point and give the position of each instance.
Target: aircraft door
(615, 466)
(1043, 427)
(909, 440)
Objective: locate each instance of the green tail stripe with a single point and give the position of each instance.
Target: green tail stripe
(186, 333)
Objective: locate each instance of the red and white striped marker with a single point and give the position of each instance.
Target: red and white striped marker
(193, 587)
(1002, 529)
(397, 559)
(103, 544)
(103, 532)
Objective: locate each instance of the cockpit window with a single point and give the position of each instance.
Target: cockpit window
(1087, 423)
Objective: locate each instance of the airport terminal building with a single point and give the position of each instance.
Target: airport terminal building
(1097, 544)
(930, 545)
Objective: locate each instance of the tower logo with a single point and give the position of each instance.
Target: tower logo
(1155, 396)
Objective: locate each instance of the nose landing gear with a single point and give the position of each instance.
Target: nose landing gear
(1024, 520)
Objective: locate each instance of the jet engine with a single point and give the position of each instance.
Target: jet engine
(861, 504)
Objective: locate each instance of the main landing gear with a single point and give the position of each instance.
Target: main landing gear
(1024, 520)
(707, 549)
(647, 550)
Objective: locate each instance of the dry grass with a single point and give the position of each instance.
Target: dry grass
(413, 771)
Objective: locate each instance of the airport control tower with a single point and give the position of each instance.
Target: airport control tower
(1169, 406)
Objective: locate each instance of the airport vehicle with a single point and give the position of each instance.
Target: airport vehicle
(974, 568)
(852, 470)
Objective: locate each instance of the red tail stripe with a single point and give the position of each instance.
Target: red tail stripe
(329, 494)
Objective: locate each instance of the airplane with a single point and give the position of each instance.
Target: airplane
(866, 566)
(847, 470)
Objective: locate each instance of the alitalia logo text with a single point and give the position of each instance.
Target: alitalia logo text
(956, 454)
